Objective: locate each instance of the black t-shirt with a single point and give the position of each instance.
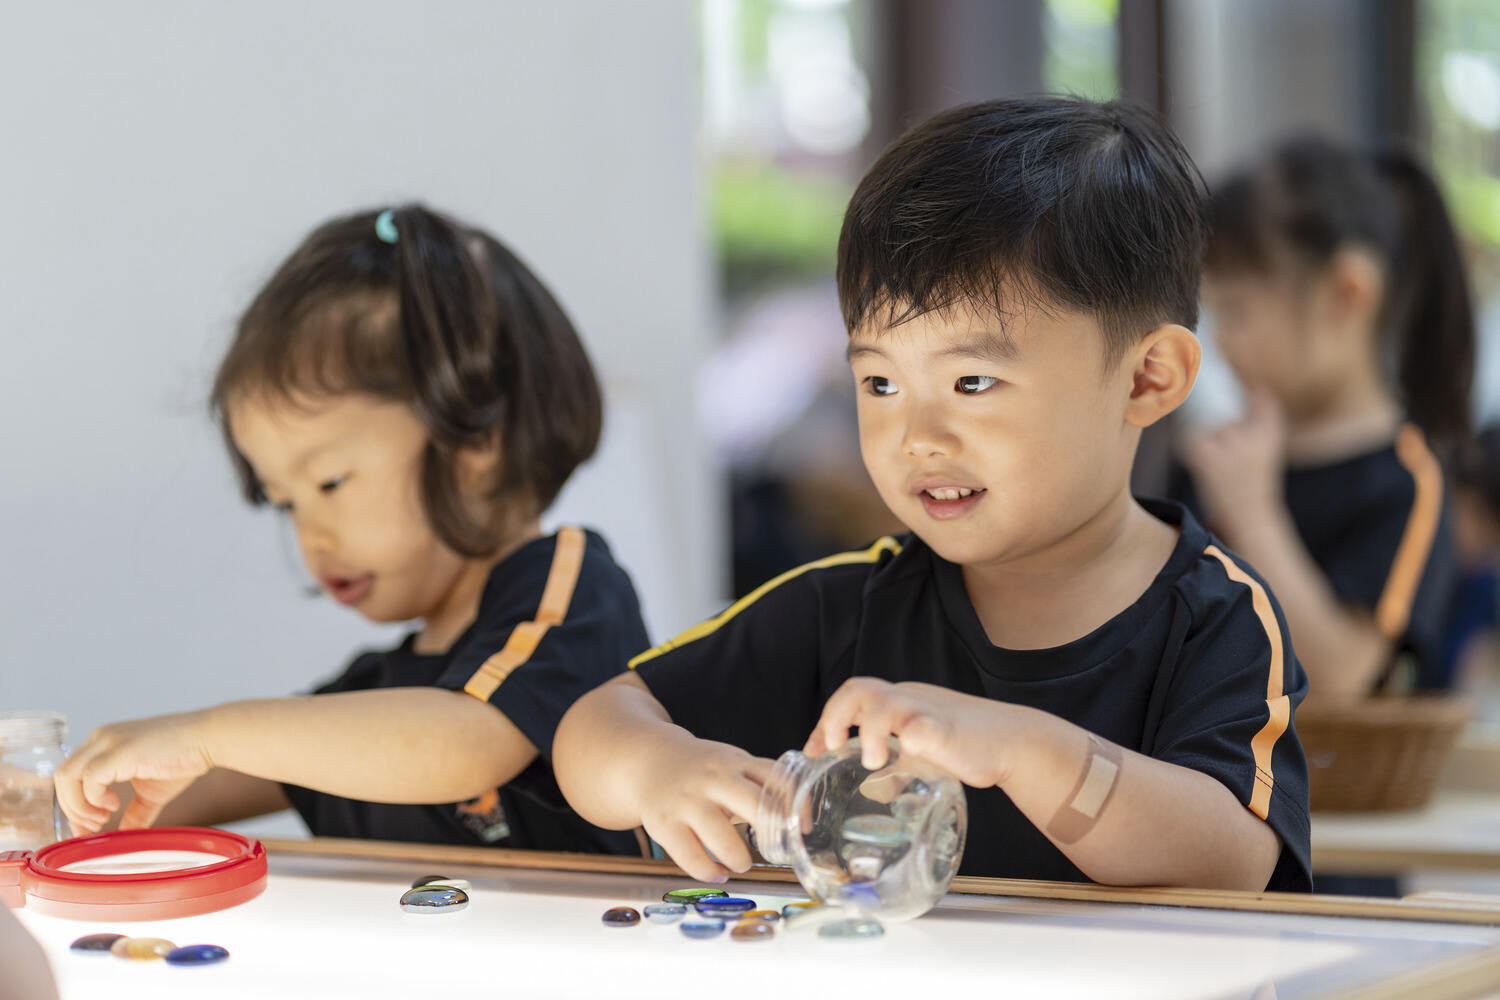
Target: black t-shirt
(1196, 672)
(557, 618)
(1378, 526)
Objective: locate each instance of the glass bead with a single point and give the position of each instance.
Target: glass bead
(690, 896)
(434, 899)
(702, 927)
(858, 927)
(622, 916)
(141, 949)
(665, 913)
(752, 930)
(197, 954)
(95, 944)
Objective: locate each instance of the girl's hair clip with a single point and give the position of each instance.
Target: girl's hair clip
(385, 226)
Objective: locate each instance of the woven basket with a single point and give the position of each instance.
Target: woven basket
(1378, 754)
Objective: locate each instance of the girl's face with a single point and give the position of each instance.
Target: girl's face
(346, 471)
(1260, 324)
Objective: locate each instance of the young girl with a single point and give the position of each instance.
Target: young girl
(408, 394)
(1338, 297)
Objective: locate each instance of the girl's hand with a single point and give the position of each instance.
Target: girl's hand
(960, 733)
(160, 757)
(690, 802)
(1238, 469)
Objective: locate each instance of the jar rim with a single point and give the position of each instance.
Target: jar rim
(31, 726)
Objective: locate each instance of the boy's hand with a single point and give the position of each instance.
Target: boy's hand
(1238, 469)
(689, 803)
(960, 733)
(160, 757)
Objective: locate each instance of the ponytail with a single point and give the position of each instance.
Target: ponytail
(1313, 196)
(1428, 304)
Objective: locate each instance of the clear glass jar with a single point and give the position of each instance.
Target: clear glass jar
(883, 843)
(31, 750)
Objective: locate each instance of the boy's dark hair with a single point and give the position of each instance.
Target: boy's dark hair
(446, 319)
(1310, 198)
(1050, 200)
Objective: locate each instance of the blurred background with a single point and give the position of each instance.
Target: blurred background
(676, 171)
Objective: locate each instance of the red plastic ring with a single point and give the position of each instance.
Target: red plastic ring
(184, 892)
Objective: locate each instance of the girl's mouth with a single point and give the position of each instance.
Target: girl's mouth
(349, 590)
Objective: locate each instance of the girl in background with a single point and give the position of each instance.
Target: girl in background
(408, 394)
(1338, 297)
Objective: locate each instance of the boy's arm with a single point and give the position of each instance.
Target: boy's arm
(1121, 817)
(417, 745)
(621, 762)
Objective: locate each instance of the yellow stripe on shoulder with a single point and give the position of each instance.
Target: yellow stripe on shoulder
(698, 631)
(1278, 705)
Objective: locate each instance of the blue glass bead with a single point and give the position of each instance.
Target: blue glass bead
(622, 916)
(434, 899)
(724, 906)
(702, 927)
(859, 927)
(95, 944)
(665, 913)
(197, 954)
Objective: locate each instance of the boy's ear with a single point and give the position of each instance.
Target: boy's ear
(1163, 366)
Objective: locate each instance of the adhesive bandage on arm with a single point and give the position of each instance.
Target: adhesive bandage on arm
(1096, 783)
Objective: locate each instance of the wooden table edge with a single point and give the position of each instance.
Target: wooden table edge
(1214, 899)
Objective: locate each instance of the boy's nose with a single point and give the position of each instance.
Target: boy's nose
(927, 434)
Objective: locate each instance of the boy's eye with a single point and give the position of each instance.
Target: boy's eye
(329, 485)
(971, 385)
(880, 386)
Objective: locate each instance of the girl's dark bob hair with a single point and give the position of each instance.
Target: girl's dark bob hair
(444, 318)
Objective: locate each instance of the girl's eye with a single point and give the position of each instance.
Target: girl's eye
(329, 485)
(284, 507)
(880, 386)
(972, 385)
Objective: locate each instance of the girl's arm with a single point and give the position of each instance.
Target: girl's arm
(398, 745)
(1340, 648)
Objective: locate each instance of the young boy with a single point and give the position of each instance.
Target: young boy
(1018, 279)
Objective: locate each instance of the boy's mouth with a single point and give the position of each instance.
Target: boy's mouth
(348, 589)
(947, 502)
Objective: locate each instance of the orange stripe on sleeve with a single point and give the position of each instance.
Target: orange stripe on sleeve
(567, 560)
(1278, 705)
(1393, 610)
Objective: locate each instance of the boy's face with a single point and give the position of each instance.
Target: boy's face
(346, 472)
(993, 447)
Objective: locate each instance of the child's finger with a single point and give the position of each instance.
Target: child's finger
(683, 847)
(142, 811)
(739, 797)
(82, 816)
(721, 840)
(844, 709)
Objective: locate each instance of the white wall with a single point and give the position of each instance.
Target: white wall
(159, 159)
